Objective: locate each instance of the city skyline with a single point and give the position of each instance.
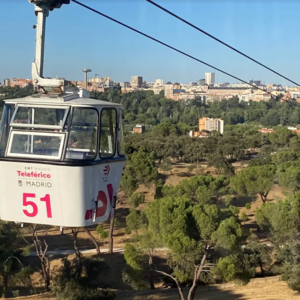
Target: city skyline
(111, 50)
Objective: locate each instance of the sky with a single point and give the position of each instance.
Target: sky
(76, 38)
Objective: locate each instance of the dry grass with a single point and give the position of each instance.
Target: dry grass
(258, 291)
(261, 291)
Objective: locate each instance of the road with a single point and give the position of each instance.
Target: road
(87, 251)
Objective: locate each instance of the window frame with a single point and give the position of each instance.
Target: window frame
(120, 135)
(7, 125)
(36, 133)
(116, 134)
(40, 126)
(69, 129)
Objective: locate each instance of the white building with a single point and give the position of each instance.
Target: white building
(209, 78)
(159, 82)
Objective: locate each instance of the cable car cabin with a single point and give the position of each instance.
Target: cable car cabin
(60, 160)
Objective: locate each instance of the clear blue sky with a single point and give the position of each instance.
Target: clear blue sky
(76, 38)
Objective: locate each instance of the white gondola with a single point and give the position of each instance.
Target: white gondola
(61, 154)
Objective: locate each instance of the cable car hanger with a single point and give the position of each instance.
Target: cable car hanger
(44, 85)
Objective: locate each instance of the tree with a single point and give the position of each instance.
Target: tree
(254, 180)
(92, 239)
(290, 178)
(135, 274)
(244, 217)
(128, 182)
(222, 165)
(295, 144)
(281, 137)
(10, 258)
(166, 165)
(196, 236)
(41, 248)
(142, 166)
(280, 219)
(136, 199)
(70, 285)
(248, 206)
(133, 221)
(103, 234)
(200, 189)
(270, 119)
(289, 257)
(260, 253)
(283, 156)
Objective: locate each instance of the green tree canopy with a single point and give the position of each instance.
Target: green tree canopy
(197, 236)
(254, 180)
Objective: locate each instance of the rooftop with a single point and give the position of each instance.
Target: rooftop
(61, 100)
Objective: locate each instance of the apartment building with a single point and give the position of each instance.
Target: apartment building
(136, 81)
(211, 124)
(210, 78)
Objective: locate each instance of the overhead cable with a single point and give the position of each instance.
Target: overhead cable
(220, 41)
(166, 45)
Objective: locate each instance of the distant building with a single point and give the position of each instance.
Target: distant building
(197, 134)
(96, 79)
(136, 81)
(265, 130)
(6, 82)
(125, 84)
(139, 128)
(169, 90)
(176, 86)
(286, 97)
(201, 82)
(108, 83)
(256, 82)
(254, 96)
(210, 124)
(294, 129)
(19, 82)
(159, 82)
(210, 78)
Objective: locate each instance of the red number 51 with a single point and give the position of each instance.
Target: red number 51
(34, 206)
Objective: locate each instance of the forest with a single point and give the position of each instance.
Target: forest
(217, 224)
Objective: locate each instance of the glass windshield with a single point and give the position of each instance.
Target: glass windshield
(82, 143)
(108, 132)
(39, 116)
(36, 144)
(4, 127)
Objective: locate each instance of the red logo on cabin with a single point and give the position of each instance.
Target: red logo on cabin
(101, 204)
(106, 170)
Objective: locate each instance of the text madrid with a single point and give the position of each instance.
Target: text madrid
(33, 174)
(39, 184)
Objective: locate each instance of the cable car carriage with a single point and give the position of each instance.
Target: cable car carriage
(60, 161)
(61, 155)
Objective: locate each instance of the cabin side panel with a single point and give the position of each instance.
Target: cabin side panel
(30, 193)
